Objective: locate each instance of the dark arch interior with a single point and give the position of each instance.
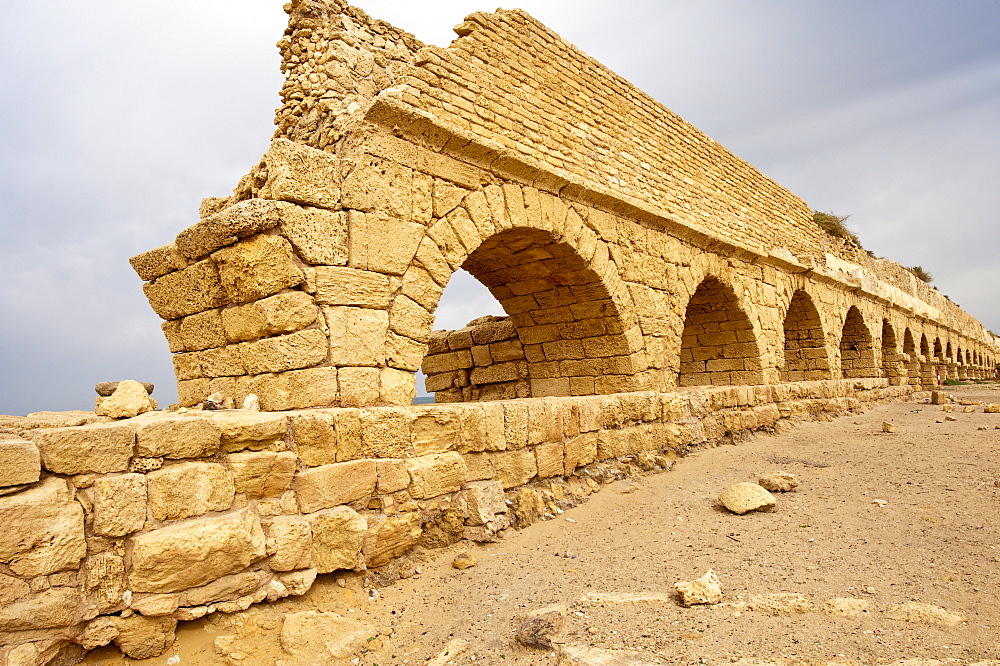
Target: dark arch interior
(805, 346)
(856, 356)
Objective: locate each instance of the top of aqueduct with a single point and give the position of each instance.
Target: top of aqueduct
(630, 251)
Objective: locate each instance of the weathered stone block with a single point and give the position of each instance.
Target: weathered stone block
(281, 313)
(337, 538)
(315, 439)
(391, 538)
(301, 174)
(119, 504)
(20, 462)
(227, 226)
(195, 552)
(410, 319)
(55, 607)
(349, 286)
(359, 387)
(257, 267)
(284, 352)
(436, 474)
(357, 336)
(259, 474)
(485, 500)
(319, 236)
(550, 460)
(514, 468)
(142, 637)
(289, 540)
(202, 330)
(41, 529)
(182, 437)
(580, 450)
(392, 476)
(327, 486)
(250, 430)
(378, 185)
(385, 433)
(189, 489)
(158, 262)
(96, 448)
(382, 243)
(435, 430)
(194, 289)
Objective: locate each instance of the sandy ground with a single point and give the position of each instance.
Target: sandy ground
(883, 517)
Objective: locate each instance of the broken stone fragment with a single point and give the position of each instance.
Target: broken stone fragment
(888, 427)
(744, 497)
(780, 603)
(919, 613)
(321, 637)
(705, 590)
(539, 630)
(779, 482)
(991, 409)
(464, 561)
(128, 399)
(105, 389)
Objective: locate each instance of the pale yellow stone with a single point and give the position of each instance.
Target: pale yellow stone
(141, 637)
(192, 553)
(327, 486)
(95, 448)
(397, 387)
(319, 236)
(358, 387)
(920, 613)
(20, 462)
(435, 429)
(202, 331)
(391, 538)
(129, 399)
(282, 313)
(289, 541)
(177, 437)
(514, 468)
(228, 225)
(382, 243)
(257, 267)
(315, 439)
(259, 474)
(158, 262)
(741, 498)
(704, 590)
(357, 335)
(284, 352)
(301, 174)
(119, 504)
(249, 430)
(437, 474)
(55, 607)
(385, 433)
(189, 489)
(338, 535)
(322, 637)
(351, 287)
(392, 475)
(550, 460)
(41, 529)
(194, 289)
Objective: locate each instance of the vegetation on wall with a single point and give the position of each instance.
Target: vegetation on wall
(836, 226)
(921, 273)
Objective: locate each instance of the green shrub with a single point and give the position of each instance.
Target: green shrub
(921, 273)
(836, 226)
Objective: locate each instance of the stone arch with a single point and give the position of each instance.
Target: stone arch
(718, 345)
(938, 349)
(948, 356)
(924, 346)
(806, 356)
(908, 345)
(857, 358)
(892, 366)
(571, 327)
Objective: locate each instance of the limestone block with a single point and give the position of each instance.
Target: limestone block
(515, 417)
(409, 319)
(514, 468)
(227, 588)
(257, 267)
(249, 430)
(322, 637)
(357, 335)
(438, 363)
(301, 174)
(404, 353)
(142, 637)
(390, 538)
(158, 262)
(741, 498)
(385, 433)
(421, 287)
(347, 426)
(392, 476)
(119, 504)
(128, 400)
(378, 185)
(338, 535)
(991, 409)
(437, 474)
(319, 236)
(54, 607)
(281, 313)
(479, 466)
(202, 330)
(327, 486)
(189, 489)
(435, 430)
(12, 589)
(780, 603)
(194, 552)
(41, 529)
(472, 430)
(550, 460)
(315, 439)
(705, 590)
(485, 500)
(20, 462)
(382, 243)
(259, 474)
(311, 387)
(359, 387)
(284, 352)
(177, 437)
(227, 226)
(781, 482)
(194, 289)
(105, 581)
(289, 540)
(221, 362)
(96, 448)
(337, 285)
(920, 613)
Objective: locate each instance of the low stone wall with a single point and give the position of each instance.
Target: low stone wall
(483, 361)
(116, 530)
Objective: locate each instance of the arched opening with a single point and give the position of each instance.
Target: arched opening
(908, 346)
(805, 344)
(857, 358)
(562, 334)
(947, 353)
(938, 349)
(912, 364)
(892, 366)
(718, 345)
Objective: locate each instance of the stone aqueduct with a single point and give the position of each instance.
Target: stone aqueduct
(630, 251)
(661, 294)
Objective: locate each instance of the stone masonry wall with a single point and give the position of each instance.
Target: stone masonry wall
(115, 530)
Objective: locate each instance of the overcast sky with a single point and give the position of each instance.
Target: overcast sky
(117, 117)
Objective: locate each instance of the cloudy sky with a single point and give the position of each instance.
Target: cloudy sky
(117, 117)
